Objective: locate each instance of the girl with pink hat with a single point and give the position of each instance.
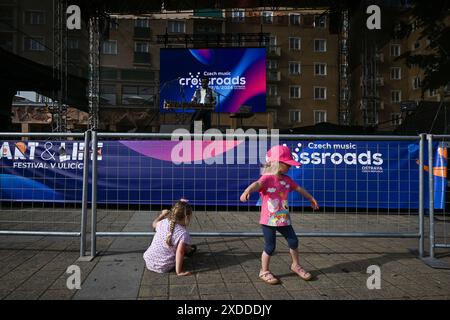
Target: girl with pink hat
(274, 187)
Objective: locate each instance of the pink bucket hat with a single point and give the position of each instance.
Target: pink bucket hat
(281, 154)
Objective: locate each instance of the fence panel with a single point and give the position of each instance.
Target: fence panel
(367, 186)
(439, 197)
(39, 194)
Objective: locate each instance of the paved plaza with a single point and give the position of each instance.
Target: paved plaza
(225, 268)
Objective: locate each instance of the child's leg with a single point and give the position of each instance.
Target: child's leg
(291, 237)
(289, 234)
(269, 246)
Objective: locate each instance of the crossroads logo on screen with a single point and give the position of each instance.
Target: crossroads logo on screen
(336, 154)
(46, 154)
(218, 80)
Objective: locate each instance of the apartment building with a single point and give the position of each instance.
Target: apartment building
(388, 80)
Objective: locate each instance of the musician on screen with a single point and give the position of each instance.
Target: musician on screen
(203, 95)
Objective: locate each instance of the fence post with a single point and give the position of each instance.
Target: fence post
(431, 192)
(421, 195)
(87, 137)
(94, 196)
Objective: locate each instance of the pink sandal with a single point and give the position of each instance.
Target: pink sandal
(301, 272)
(268, 277)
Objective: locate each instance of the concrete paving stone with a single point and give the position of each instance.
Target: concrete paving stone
(24, 295)
(241, 288)
(271, 295)
(178, 280)
(365, 294)
(183, 290)
(306, 295)
(153, 278)
(57, 295)
(215, 297)
(4, 292)
(154, 291)
(240, 296)
(212, 289)
(113, 279)
(335, 294)
(193, 296)
(209, 278)
(293, 284)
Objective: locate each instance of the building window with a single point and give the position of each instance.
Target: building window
(177, 26)
(320, 116)
(295, 92)
(272, 64)
(396, 96)
(320, 93)
(295, 43)
(73, 44)
(35, 17)
(320, 45)
(396, 119)
(142, 23)
(34, 44)
(417, 83)
(396, 73)
(432, 93)
(396, 50)
(294, 19)
(320, 22)
(113, 23)
(267, 17)
(238, 15)
(141, 47)
(138, 95)
(320, 69)
(295, 116)
(109, 47)
(237, 41)
(108, 95)
(272, 90)
(295, 67)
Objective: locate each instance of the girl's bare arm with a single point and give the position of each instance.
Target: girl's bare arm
(162, 216)
(255, 186)
(308, 196)
(179, 258)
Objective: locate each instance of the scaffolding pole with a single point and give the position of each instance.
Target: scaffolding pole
(344, 75)
(94, 65)
(59, 108)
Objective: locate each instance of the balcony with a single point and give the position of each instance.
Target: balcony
(273, 76)
(140, 32)
(273, 101)
(142, 57)
(273, 51)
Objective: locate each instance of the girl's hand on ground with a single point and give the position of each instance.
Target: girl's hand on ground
(314, 204)
(184, 273)
(244, 197)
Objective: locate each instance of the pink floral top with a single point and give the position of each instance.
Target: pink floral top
(274, 194)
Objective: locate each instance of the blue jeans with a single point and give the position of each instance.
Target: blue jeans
(270, 238)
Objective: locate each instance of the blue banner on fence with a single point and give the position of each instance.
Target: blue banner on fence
(343, 174)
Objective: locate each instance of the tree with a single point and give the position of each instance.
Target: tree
(433, 19)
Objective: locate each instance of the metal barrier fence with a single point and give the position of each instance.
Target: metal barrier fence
(439, 233)
(380, 211)
(379, 194)
(30, 208)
